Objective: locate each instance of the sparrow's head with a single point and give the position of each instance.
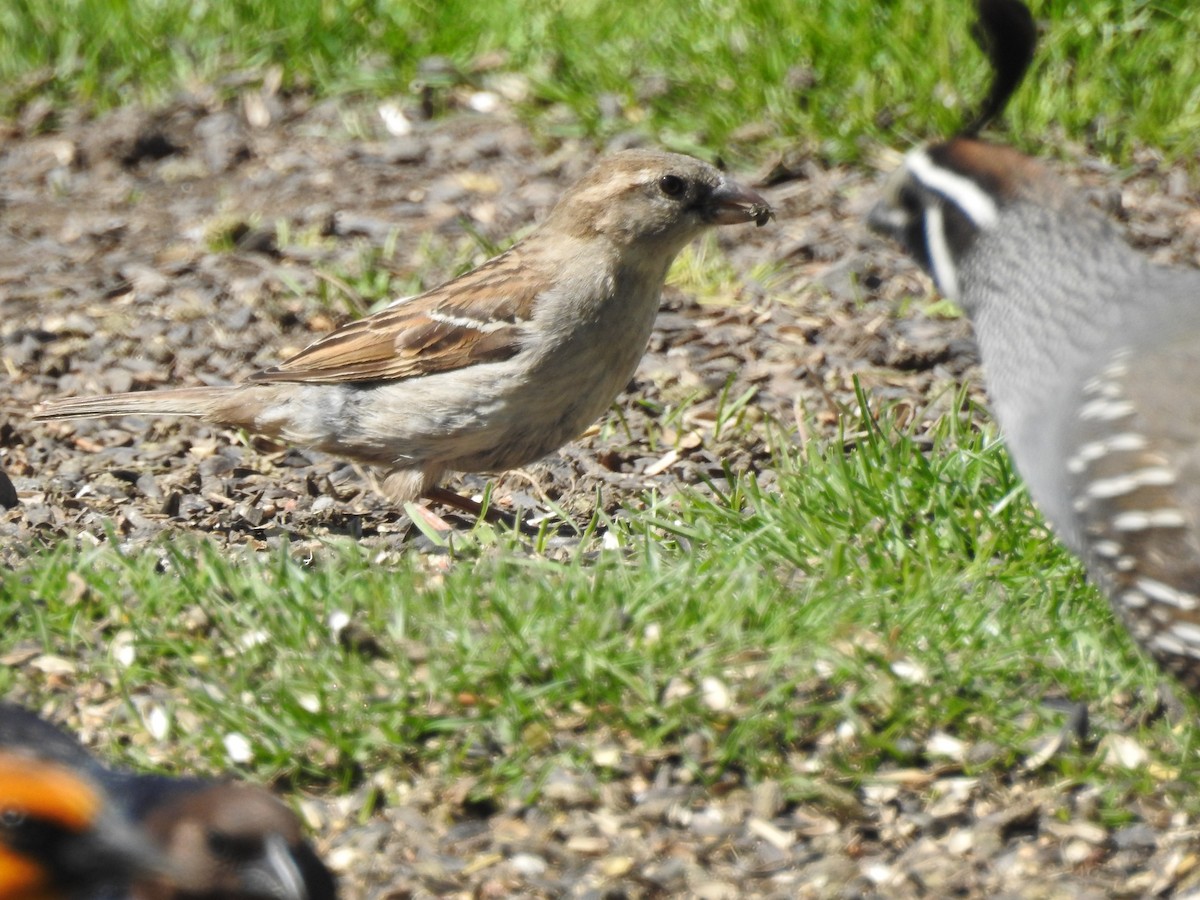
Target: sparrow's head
(230, 841)
(654, 199)
(59, 835)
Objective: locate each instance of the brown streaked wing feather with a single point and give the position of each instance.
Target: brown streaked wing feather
(411, 339)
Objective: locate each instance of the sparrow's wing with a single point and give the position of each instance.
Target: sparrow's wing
(479, 317)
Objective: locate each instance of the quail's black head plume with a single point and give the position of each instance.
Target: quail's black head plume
(1006, 32)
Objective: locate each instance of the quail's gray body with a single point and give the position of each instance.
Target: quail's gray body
(1091, 355)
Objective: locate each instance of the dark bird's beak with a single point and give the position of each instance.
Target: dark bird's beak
(731, 204)
(275, 874)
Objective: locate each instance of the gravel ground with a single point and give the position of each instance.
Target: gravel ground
(143, 249)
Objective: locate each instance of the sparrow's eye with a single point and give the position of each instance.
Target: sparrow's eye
(672, 185)
(11, 819)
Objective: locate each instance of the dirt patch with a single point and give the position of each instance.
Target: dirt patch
(198, 243)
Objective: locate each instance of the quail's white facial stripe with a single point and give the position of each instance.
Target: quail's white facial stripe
(964, 193)
(941, 261)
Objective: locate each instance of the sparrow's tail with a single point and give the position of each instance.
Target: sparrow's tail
(197, 401)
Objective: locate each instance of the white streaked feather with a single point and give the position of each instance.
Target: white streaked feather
(940, 259)
(964, 193)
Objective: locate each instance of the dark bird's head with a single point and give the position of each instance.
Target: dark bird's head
(60, 836)
(229, 841)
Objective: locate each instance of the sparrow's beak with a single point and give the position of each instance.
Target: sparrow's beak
(731, 204)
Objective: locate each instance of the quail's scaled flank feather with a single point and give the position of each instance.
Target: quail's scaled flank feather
(1091, 355)
(213, 840)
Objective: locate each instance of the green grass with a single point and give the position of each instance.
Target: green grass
(884, 592)
(715, 76)
(890, 586)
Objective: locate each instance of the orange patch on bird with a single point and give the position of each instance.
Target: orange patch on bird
(22, 879)
(46, 791)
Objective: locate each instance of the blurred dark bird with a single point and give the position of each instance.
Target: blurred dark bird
(61, 838)
(221, 840)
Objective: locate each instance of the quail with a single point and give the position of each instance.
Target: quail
(219, 840)
(498, 367)
(1090, 353)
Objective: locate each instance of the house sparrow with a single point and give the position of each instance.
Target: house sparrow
(209, 839)
(498, 367)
